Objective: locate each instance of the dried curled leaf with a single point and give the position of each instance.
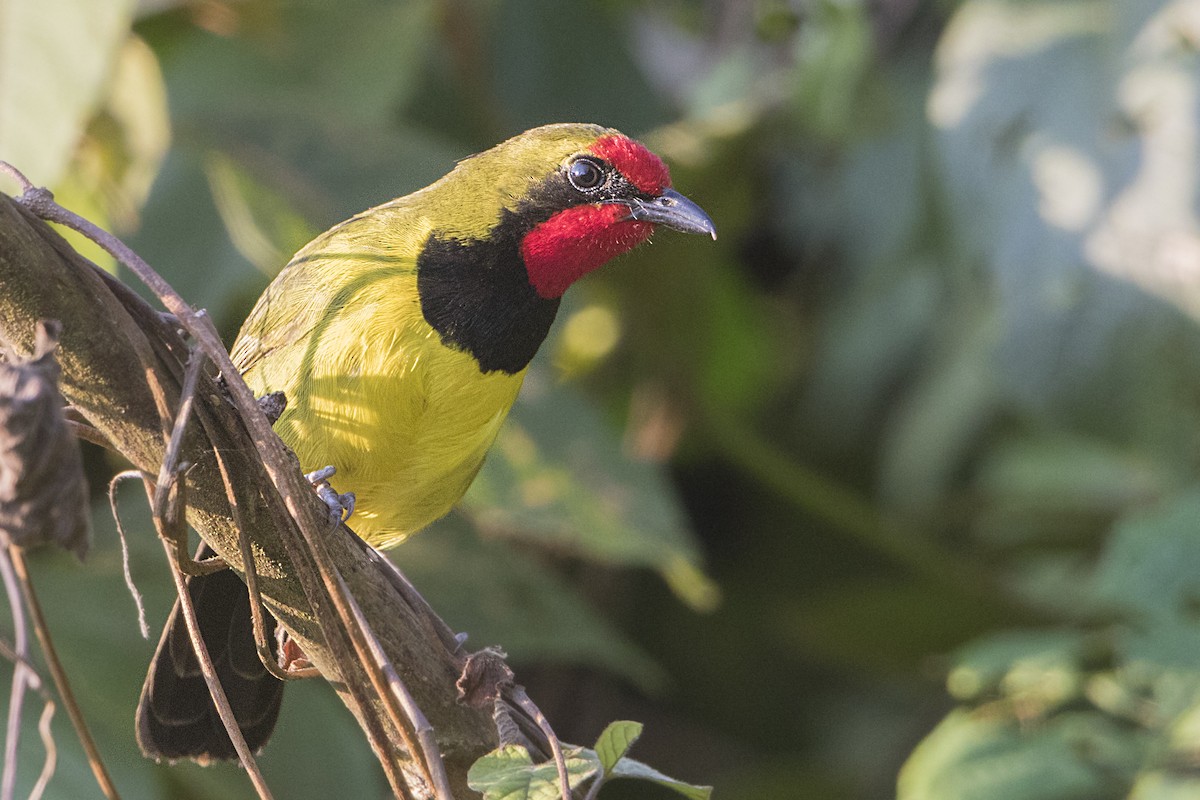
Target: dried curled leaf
(484, 677)
(43, 495)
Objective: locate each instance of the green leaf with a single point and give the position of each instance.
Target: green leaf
(1065, 713)
(932, 432)
(510, 774)
(1147, 574)
(628, 768)
(1049, 486)
(869, 342)
(312, 61)
(615, 741)
(182, 235)
(1077, 756)
(558, 477)
(55, 60)
(1044, 667)
(1164, 785)
(263, 224)
(833, 56)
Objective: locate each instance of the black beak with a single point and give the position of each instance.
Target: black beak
(673, 210)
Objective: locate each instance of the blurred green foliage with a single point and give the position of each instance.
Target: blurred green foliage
(913, 449)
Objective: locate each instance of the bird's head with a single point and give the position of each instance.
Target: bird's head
(574, 196)
(601, 199)
(510, 229)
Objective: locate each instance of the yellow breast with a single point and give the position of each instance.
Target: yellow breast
(372, 391)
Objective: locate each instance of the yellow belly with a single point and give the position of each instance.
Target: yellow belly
(372, 391)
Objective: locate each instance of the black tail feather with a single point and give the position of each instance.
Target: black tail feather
(176, 717)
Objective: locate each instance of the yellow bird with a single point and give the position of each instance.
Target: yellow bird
(400, 338)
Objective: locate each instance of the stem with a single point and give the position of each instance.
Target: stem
(59, 676)
(560, 762)
(8, 782)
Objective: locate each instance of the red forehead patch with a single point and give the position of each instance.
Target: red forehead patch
(642, 168)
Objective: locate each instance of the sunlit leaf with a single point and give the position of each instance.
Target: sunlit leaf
(1163, 785)
(1003, 662)
(628, 768)
(120, 152)
(264, 225)
(55, 59)
(615, 741)
(1059, 190)
(510, 774)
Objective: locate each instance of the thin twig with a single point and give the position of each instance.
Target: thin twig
(358, 697)
(9, 652)
(166, 501)
(250, 575)
(47, 737)
(435, 769)
(594, 790)
(216, 692)
(89, 434)
(48, 708)
(172, 530)
(116, 480)
(210, 676)
(519, 697)
(16, 701)
(269, 446)
(59, 676)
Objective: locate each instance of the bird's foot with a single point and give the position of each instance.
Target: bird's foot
(292, 658)
(340, 506)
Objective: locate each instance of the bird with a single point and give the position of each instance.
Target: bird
(400, 339)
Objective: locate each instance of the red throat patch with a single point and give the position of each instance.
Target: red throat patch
(576, 241)
(642, 168)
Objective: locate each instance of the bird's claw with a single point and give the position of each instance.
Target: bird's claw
(340, 506)
(321, 476)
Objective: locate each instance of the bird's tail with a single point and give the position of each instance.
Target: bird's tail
(176, 717)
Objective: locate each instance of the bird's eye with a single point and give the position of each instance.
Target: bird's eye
(585, 174)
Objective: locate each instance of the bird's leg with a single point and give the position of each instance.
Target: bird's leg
(340, 506)
(293, 661)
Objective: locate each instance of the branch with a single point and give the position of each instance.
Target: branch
(110, 332)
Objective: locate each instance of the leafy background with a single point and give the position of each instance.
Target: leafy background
(891, 492)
